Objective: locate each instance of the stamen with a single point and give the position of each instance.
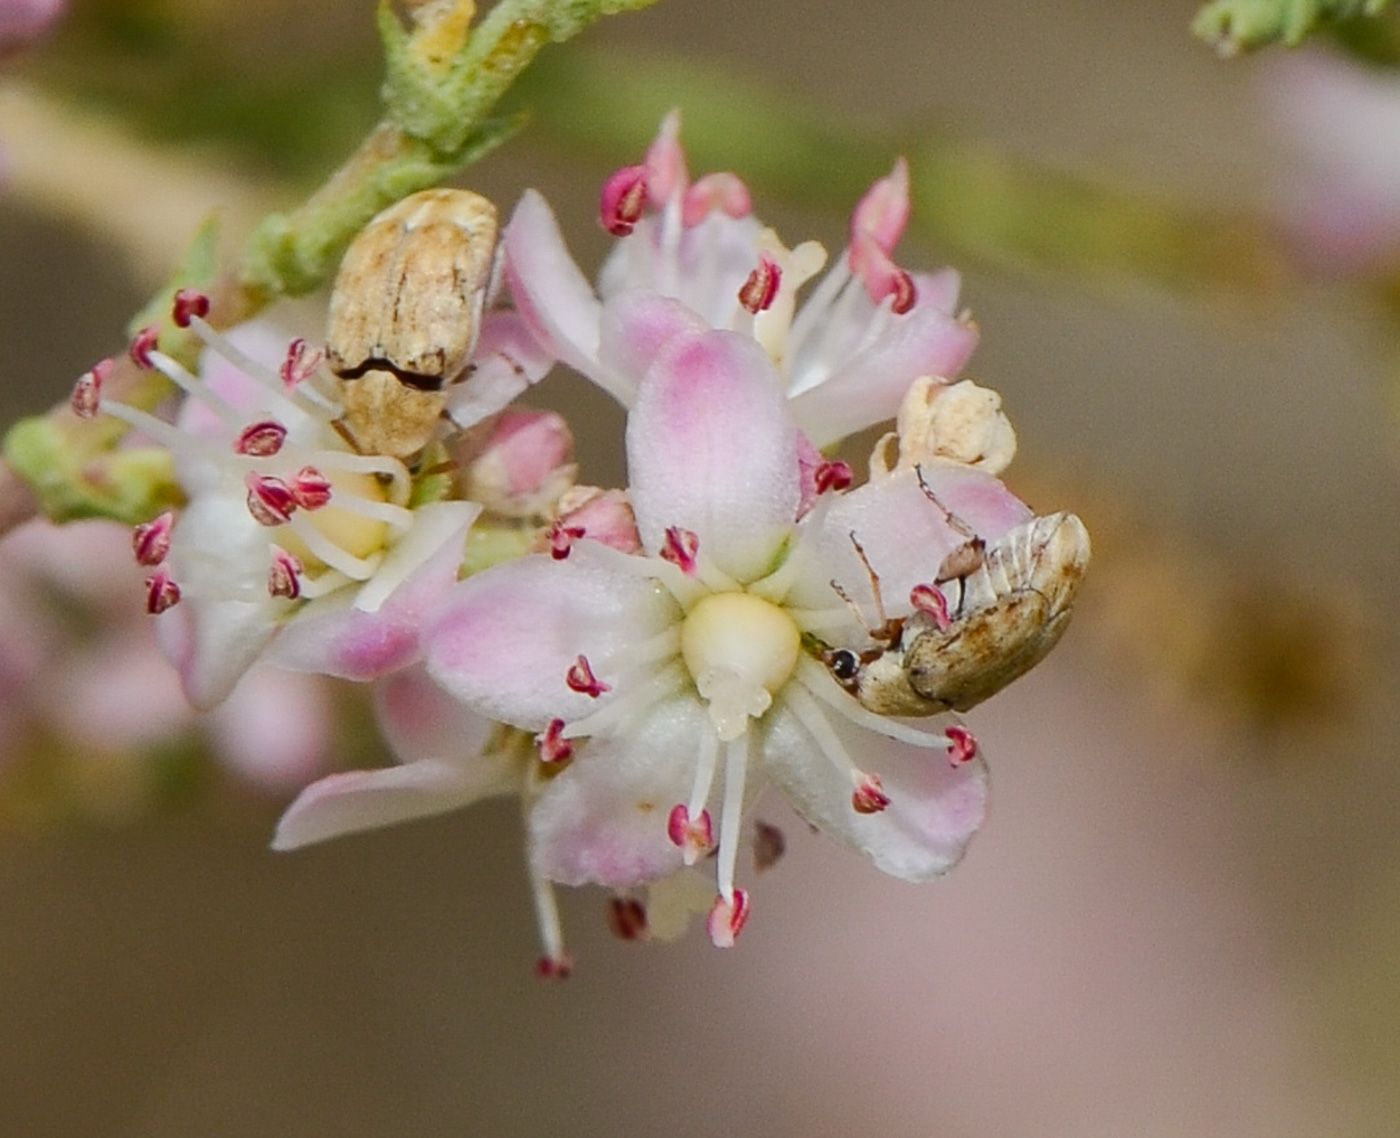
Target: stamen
(553, 747)
(190, 304)
(962, 746)
(693, 833)
(631, 700)
(680, 548)
(554, 962)
(627, 917)
(736, 763)
(901, 288)
(262, 439)
(727, 918)
(580, 678)
(270, 500)
(761, 288)
(310, 488)
(554, 967)
(769, 845)
(304, 395)
(356, 568)
(161, 592)
(284, 575)
(150, 541)
(705, 763)
(144, 342)
(623, 200)
(196, 388)
(562, 538)
(86, 399)
(816, 681)
(869, 796)
(833, 476)
(929, 599)
(301, 363)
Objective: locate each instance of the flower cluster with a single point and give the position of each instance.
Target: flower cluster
(637, 665)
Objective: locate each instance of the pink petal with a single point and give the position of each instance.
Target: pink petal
(421, 721)
(446, 766)
(939, 289)
(275, 730)
(636, 325)
(604, 819)
(504, 640)
(367, 800)
(934, 808)
(905, 536)
(212, 640)
(336, 636)
(711, 448)
(549, 292)
(508, 360)
(868, 389)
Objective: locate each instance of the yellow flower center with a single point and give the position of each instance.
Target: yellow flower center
(740, 650)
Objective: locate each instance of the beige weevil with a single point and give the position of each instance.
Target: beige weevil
(1015, 597)
(405, 313)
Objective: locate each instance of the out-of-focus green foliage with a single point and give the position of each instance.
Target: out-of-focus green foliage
(1232, 26)
(972, 200)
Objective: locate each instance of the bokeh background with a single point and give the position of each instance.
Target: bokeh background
(1183, 916)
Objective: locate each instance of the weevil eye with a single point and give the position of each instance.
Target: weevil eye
(844, 664)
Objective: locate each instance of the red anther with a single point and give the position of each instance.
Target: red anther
(761, 289)
(562, 538)
(902, 288)
(262, 439)
(310, 488)
(554, 967)
(284, 575)
(769, 845)
(680, 548)
(694, 835)
(627, 917)
(270, 500)
(869, 796)
(962, 746)
(726, 919)
(624, 197)
(833, 476)
(189, 303)
(86, 399)
(678, 824)
(929, 599)
(150, 541)
(144, 343)
(722, 192)
(554, 748)
(161, 592)
(301, 362)
(580, 678)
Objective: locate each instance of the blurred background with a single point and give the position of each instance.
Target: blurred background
(1183, 916)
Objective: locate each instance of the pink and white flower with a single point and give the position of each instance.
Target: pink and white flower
(293, 547)
(24, 21)
(690, 256)
(673, 684)
(1340, 121)
(448, 757)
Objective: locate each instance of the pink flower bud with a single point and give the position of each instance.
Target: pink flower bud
(603, 516)
(521, 463)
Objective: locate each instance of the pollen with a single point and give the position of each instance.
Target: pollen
(740, 650)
